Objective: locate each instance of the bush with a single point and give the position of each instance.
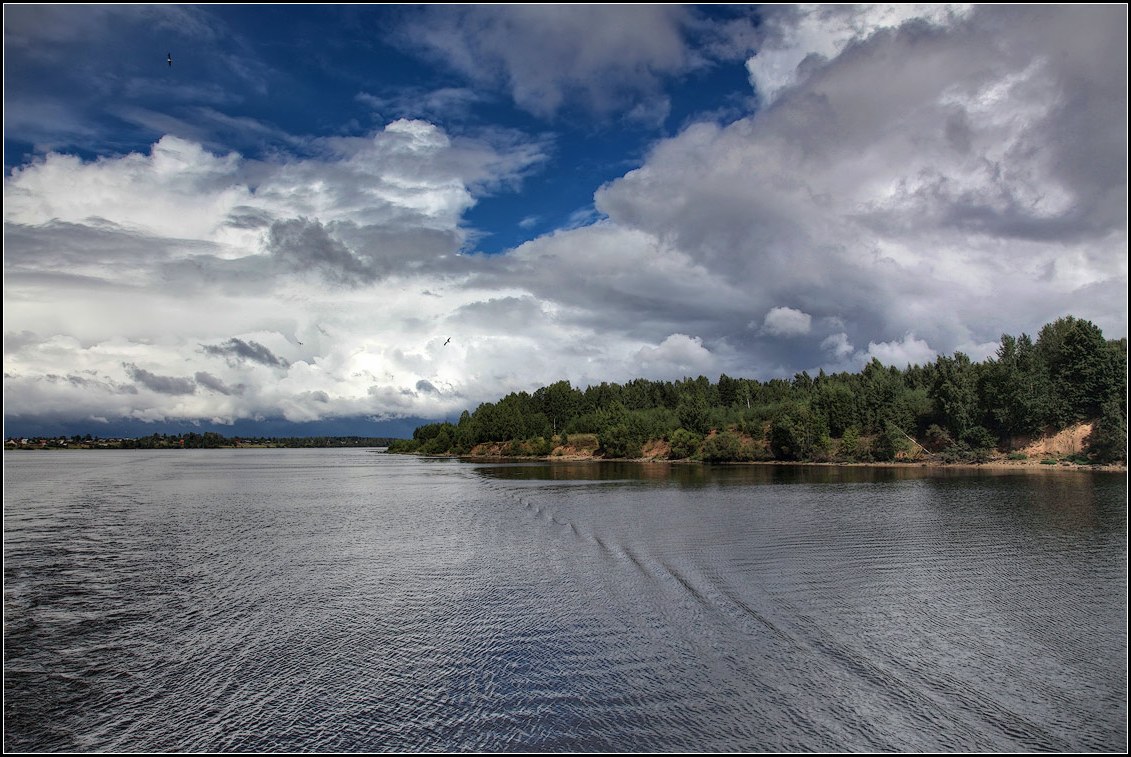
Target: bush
(588, 442)
(725, 447)
(684, 443)
(938, 439)
(980, 438)
(539, 446)
(403, 446)
(964, 453)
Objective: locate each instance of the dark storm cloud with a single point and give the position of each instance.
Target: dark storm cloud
(425, 386)
(160, 384)
(356, 255)
(208, 381)
(301, 244)
(239, 350)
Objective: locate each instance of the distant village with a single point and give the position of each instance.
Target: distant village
(86, 442)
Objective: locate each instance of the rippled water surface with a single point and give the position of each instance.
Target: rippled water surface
(330, 600)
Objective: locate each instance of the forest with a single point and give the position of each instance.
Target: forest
(951, 410)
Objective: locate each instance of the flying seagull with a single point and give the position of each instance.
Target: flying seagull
(170, 59)
(446, 343)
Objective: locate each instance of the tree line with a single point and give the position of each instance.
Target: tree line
(193, 440)
(210, 439)
(954, 408)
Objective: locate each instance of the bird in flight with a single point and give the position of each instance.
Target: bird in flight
(446, 343)
(170, 59)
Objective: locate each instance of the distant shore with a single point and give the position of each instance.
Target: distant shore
(997, 465)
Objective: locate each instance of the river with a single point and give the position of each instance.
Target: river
(347, 600)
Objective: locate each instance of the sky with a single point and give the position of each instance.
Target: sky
(350, 219)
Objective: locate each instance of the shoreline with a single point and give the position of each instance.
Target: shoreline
(995, 465)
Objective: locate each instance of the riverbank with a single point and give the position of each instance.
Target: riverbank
(1003, 464)
(1064, 450)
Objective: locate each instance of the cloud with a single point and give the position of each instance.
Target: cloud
(301, 244)
(241, 350)
(920, 188)
(550, 57)
(160, 384)
(440, 104)
(838, 345)
(208, 381)
(786, 322)
(907, 351)
(793, 39)
(677, 356)
(865, 202)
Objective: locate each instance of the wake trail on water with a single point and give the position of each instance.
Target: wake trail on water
(926, 696)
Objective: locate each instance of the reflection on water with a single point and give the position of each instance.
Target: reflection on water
(340, 600)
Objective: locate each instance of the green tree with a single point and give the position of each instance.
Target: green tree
(694, 415)
(889, 443)
(559, 402)
(1014, 388)
(850, 447)
(619, 441)
(954, 394)
(837, 403)
(797, 433)
(1081, 369)
(1108, 441)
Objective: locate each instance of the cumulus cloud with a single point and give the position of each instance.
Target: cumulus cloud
(906, 351)
(856, 200)
(677, 356)
(786, 322)
(796, 38)
(838, 345)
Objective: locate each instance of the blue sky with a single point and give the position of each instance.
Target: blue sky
(286, 225)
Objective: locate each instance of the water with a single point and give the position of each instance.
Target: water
(343, 600)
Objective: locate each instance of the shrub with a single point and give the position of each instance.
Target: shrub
(684, 443)
(723, 447)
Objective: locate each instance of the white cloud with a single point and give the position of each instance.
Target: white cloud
(786, 322)
(907, 351)
(677, 356)
(838, 345)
